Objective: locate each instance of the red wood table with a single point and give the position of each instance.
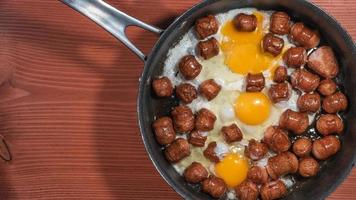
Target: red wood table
(68, 102)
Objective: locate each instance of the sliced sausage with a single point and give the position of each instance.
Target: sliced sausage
(195, 173)
(209, 89)
(296, 122)
(206, 26)
(326, 147)
(302, 147)
(214, 186)
(335, 103)
(244, 22)
(273, 190)
(164, 131)
(205, 120)
(280, 23)
(282, 164)
(256, 150)
(231, 133)
(277, 139)
(208, 49)
(197, 138)
(295, 57)
(183, 119)
(178, 150)
(279, 92)
(189, 67)
(327, 87)
(308, 167)
(255, 82)
(247, 190)
(329, 124)
(272, 44)
(162, 87)
(186, 93)
(304, 36)
(280, 74)
(210, 154)
(258, 175)
(309, 102)
(323, 62)
(305, 81)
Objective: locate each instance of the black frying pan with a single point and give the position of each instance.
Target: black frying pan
(333, 170)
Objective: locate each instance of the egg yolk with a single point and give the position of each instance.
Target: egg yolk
(242, 50)
(232, 169)
(252, 108)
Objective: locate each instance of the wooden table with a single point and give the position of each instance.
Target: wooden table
(68, 102)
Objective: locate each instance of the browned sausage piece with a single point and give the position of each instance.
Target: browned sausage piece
(304, 80)
(214, 186)
(272, 44)
(162, 87)
(323, 62)
(255, 82)
(280, 74)
(295, 57)
(209, 89)
(197, 138)
(308, 167)
(209, 152)
(302, 147)
(256, 150)
(183, 119)
(231, 133)
(277, 139)
(209, 48)
(309, 102)
(245, 23)
(304, 36)
(326, 147)
(186, 93)
(294, 121)
(189, 67)
(279, 92)
(329, 124)
(335, 103)
(205, 120)
(178, 150)
(163, 129)
(280, 23)
(327, 87)
(195, 173)
(258, 175)
(247, 190)
(273, 190)
(206, 26)
(282, 164)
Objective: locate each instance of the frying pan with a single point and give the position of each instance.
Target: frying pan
(115, 22)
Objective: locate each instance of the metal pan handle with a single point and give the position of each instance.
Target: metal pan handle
(112, 20)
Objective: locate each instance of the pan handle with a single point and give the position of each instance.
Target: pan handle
(112, 20)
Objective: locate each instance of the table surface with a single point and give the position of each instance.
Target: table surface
(68, 102)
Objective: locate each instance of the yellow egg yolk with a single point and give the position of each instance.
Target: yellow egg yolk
(242, 50)
(232, 169)
(252, 108)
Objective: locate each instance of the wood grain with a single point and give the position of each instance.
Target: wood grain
(68, 102)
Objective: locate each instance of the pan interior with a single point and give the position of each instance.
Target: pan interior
(333, 171)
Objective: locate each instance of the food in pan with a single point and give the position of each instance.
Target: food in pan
(259, 104)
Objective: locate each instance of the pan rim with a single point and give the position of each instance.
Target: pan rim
(144, 80)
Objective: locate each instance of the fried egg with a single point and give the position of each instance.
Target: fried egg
(240, 54)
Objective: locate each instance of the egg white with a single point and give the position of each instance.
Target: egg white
(223, 105)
